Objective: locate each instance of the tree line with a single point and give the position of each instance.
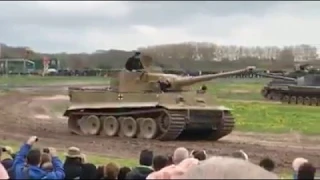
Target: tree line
(186, 56)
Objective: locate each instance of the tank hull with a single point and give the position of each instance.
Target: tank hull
(293, 94)
(273, 91)
(160, 117)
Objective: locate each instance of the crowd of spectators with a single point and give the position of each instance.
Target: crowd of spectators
(34, 163)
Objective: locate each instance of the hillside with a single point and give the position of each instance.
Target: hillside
(202, 56)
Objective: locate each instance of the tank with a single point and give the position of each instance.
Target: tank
(149, 104)
(272, 90)
(302, 70)
(304, 90)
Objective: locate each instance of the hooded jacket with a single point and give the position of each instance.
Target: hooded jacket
(23, 171)
(139, 172)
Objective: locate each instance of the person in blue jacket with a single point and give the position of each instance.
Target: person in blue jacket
(26, 163)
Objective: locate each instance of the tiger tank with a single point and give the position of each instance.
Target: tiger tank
(149, 104)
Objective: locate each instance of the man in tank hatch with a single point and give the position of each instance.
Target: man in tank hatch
(134, 63)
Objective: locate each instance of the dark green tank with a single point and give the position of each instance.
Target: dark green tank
(304, 90)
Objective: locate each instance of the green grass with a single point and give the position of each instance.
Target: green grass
(237, 89)
(259, 116)
(39, 80)
(92, 158)
(275, 118)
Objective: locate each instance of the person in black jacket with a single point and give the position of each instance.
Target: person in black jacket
(134, 63)
(73, 163)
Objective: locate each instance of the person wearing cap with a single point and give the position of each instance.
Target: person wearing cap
(134, 63)
(73, 163)
(7, 162)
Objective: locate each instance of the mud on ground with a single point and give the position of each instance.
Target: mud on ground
(25, 113)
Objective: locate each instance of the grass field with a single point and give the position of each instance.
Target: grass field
(238, 89)
(275, 118)
(250, 116)
(38, 80)
(261, 116)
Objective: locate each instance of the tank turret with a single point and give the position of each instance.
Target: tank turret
(149, 80)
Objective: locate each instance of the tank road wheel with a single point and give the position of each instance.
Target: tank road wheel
(300, 100)
(90, 125)
(110, 126)
(285, 99)
(270, 96)
(264, 93)
(73, 125)
(129, 127)
(307, 101)
(149, 128)
(164, 123)
(293, 100)
(314, 101)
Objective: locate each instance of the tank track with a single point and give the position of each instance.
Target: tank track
(287, 98)
(300, 100)
(270, 95)
(177, 123)
(176, 126)
(224, 128)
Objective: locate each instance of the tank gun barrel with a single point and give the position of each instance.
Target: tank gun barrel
(276, 76)
(188, 81)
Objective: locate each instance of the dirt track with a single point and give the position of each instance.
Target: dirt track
(23, 114)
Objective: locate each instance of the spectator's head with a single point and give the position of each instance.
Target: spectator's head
(267, 164)
(146, 158)
(174, 171)
(227, 168)
(306, 171)
(74, 156)
(3, 173)
(45, 157)
(200, 155)
(170, 159)
(179, 155)
(112, 171)
(47, 166)
(159, 162)
(240, 155)
(123, 172)
(297, 162)
(34, 157)
(89, 171)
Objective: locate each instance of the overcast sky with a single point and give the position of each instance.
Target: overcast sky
(88, 26)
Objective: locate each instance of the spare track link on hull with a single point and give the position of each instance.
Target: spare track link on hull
(176, 126)
(225, 128)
